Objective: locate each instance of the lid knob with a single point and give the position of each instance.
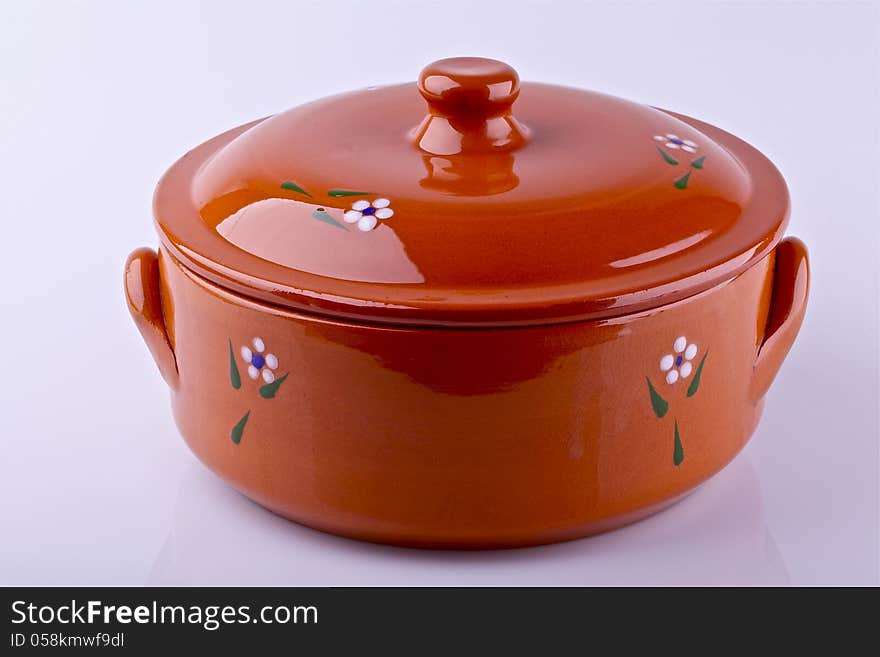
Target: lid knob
(469, 106)
(469, 87)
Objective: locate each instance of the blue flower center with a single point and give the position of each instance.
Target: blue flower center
(258, 361)
(370, 210)
(676, 140)
(678, 361)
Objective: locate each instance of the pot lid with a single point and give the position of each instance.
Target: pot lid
(471, 199)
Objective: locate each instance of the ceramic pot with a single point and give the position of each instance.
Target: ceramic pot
(493, 331)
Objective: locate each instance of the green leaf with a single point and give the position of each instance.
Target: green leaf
(238, 429)
(695, 383)
(234, 376)
(659, 404)
(292, 186)
(338, 193)
(666, 156)
(698, 163)
(268, 391)
(678, 450)
(322, 215)
(682, 182)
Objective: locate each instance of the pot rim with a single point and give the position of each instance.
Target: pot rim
(354, 322)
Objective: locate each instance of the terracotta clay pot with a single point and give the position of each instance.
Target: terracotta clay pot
(434, 316)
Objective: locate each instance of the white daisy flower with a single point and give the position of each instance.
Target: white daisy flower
(678, 364)
(259, 363)
(366, 215)
(674, 142)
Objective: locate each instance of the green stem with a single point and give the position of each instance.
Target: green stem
(238, 429)
(678, 450)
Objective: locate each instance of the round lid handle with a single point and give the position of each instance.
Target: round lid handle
(469, 87)
(470, 103)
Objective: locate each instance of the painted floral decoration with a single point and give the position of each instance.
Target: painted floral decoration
(674, 142)
(260, 363)
(677, 365)
(363, 213)
(366, 215)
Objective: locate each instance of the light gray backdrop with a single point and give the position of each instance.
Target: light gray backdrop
(98, 98)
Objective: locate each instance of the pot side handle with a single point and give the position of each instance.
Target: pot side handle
(145, 305)
(788, 302)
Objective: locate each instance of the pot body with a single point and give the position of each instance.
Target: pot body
(467, 438)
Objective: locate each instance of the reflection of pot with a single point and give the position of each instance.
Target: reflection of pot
(718, 537)
(469, 368)
(450, 176)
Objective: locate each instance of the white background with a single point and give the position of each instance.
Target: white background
(98, 98)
